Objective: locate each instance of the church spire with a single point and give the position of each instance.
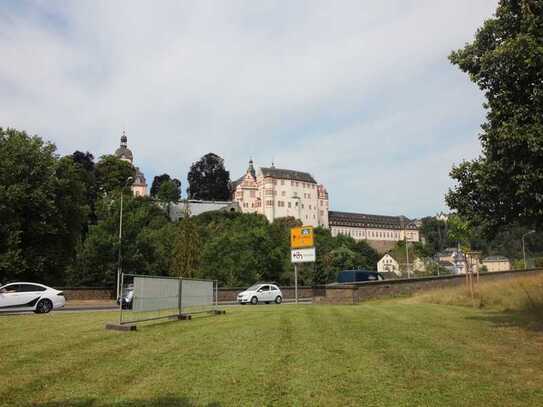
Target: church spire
(124, 139)
(251, 168)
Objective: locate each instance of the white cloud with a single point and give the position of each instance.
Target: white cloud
(332, 87)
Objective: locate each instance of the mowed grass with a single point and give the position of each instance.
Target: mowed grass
(386, 354)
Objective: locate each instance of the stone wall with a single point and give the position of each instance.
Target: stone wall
(335, 294)
(356, 293)
(87, 293)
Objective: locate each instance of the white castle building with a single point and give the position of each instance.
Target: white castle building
(277, 193)
(379, 231)
(139, 186)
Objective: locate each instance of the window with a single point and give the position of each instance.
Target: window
(302, 206)
(252, 194)
(264, 288)
(25, 288)
(274, 288)
(309, 207)
(290, 204)
(269, 203)
(274, 182)
(13, 288)
(282, 182)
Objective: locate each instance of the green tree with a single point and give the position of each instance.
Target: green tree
(435, 233)
(187, 248)
(112, 174)
(84, 163)
(159, 180)
(42, 208)
(208, 179)
(147, 242)
(169, 192)
(460, 231)
(505, 184)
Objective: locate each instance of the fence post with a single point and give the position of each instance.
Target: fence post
(180, 298)
(120, 298)
(216, 284)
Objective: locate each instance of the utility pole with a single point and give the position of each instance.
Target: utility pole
(120, 260)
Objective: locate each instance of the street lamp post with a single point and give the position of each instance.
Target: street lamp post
(120, 260)
(523, 249)
(296, 264)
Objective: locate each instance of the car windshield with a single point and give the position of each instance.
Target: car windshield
(253, 287)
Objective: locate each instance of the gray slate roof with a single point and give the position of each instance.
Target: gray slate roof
(369, 221)
(287, 174)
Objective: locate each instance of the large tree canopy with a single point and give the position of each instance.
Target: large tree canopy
(174, 191)
(505, 184)
(208, 179)
(113, 174)
(42, 208)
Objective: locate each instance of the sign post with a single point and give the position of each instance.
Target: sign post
(302, 246)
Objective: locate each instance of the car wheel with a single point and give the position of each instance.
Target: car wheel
(254, 300)
(278, 300)
(44, 306)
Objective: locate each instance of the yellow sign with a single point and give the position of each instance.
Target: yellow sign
(301, 237)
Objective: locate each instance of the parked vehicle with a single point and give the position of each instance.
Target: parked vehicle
(127, 297)
(350, 276)
(30, 297)
(261, 292)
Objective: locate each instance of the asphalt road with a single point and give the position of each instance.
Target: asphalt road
(95, 308)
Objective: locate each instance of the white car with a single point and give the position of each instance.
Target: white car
(262, 292)
(30, 297)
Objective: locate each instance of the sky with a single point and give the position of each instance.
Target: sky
(358, 93)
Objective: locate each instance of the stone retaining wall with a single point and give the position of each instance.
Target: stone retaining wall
(336, 294)
(356, 293)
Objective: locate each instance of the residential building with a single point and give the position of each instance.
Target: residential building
(139, 186)
(380, 232)
(277, 193)
(387, 263)
(497, 263)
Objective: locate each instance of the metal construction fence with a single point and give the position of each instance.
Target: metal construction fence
(145, 298)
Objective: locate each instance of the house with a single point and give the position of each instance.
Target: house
(497, 263)
(387, 263)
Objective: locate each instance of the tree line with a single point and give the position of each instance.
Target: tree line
(59, 224)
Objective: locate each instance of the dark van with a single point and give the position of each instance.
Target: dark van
(355, 276)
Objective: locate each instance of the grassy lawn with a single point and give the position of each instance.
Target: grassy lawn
(386, 354)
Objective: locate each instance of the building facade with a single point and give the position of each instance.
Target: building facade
(278, 193)
(380, 232)
(497, 263)
(388, 264)
(139, 186)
